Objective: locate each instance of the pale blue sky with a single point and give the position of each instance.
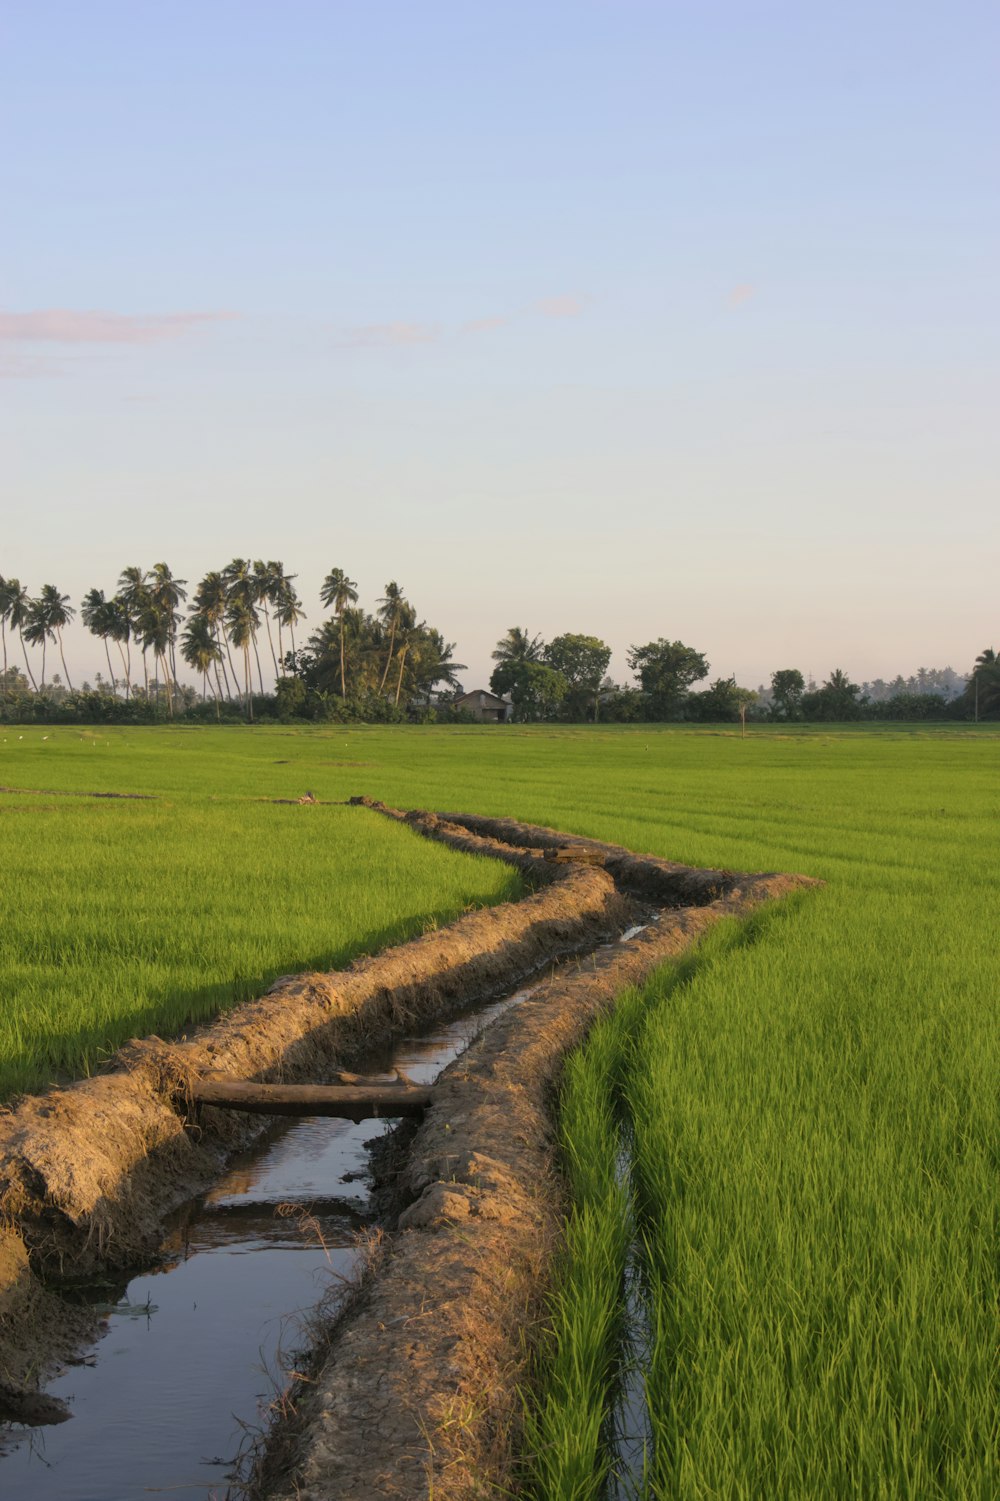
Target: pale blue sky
(633, 319)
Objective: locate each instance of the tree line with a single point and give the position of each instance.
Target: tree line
(355, 664)
(565, 678)
(388, 664)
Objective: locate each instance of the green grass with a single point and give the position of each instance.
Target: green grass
(815, 1099)
(127, 917)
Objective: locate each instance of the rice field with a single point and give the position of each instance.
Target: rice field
(811, 1102)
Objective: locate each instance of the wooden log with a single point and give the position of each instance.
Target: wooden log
(572, 854)
(351, 1102)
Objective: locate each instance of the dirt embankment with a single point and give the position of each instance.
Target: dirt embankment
(88, 1172)
(423, 1371)
(418, 1393)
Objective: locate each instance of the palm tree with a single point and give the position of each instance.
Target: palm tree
(37, 630)
(58, 612)
(18, 616)
(242, 588)
(4, 612)
(99, 616)
(339, 591)
(201, 650)
(409, 634)
(120, 631)
(390, 612)
(985, 684)
(268, 578)
(154, 629)
(168, 593)
(437, 665)
(242, 620)
(133, 593)
(210, 600)
(288, 611)
(519, 646)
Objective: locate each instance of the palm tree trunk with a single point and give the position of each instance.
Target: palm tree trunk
(260, 675)
(225, 642)
(392, 642)
(43, 664)
(162, 658)
(126, 663)
(343, 688)
(221, 661)
(111, 670)
(399, 680)
(62, 656)
(281, 647)
(246, 681)
(3, 637)
(270, 638)
(26, 662)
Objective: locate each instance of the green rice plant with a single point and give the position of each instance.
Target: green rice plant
(819, 1204)
(124, 918)
(822, 1090)
(566, 1412)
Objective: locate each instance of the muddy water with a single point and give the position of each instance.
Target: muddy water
(191, 1349)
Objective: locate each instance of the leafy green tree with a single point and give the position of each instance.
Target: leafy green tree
(721, 703)
(666, 670)
(838, 699)
(536, 690)
(787, 688)
(583, 661)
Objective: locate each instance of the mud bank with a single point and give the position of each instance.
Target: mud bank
(417, 1394)
(88, 1172)
(424, 1368)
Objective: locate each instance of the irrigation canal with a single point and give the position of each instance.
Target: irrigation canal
(195, 1349)
(191, 1353)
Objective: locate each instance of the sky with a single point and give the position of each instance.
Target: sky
(632, 319)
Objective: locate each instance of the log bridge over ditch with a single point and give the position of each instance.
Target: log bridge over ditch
(351, 1102)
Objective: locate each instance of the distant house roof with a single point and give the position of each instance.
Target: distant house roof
(483, 697)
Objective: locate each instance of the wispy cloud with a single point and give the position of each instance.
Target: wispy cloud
(560, 307)
(388, 335)
(403, 335)
(741, 293)
(68, 326)
(483, 325)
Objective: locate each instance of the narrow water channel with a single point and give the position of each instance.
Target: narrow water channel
(190, 1354)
